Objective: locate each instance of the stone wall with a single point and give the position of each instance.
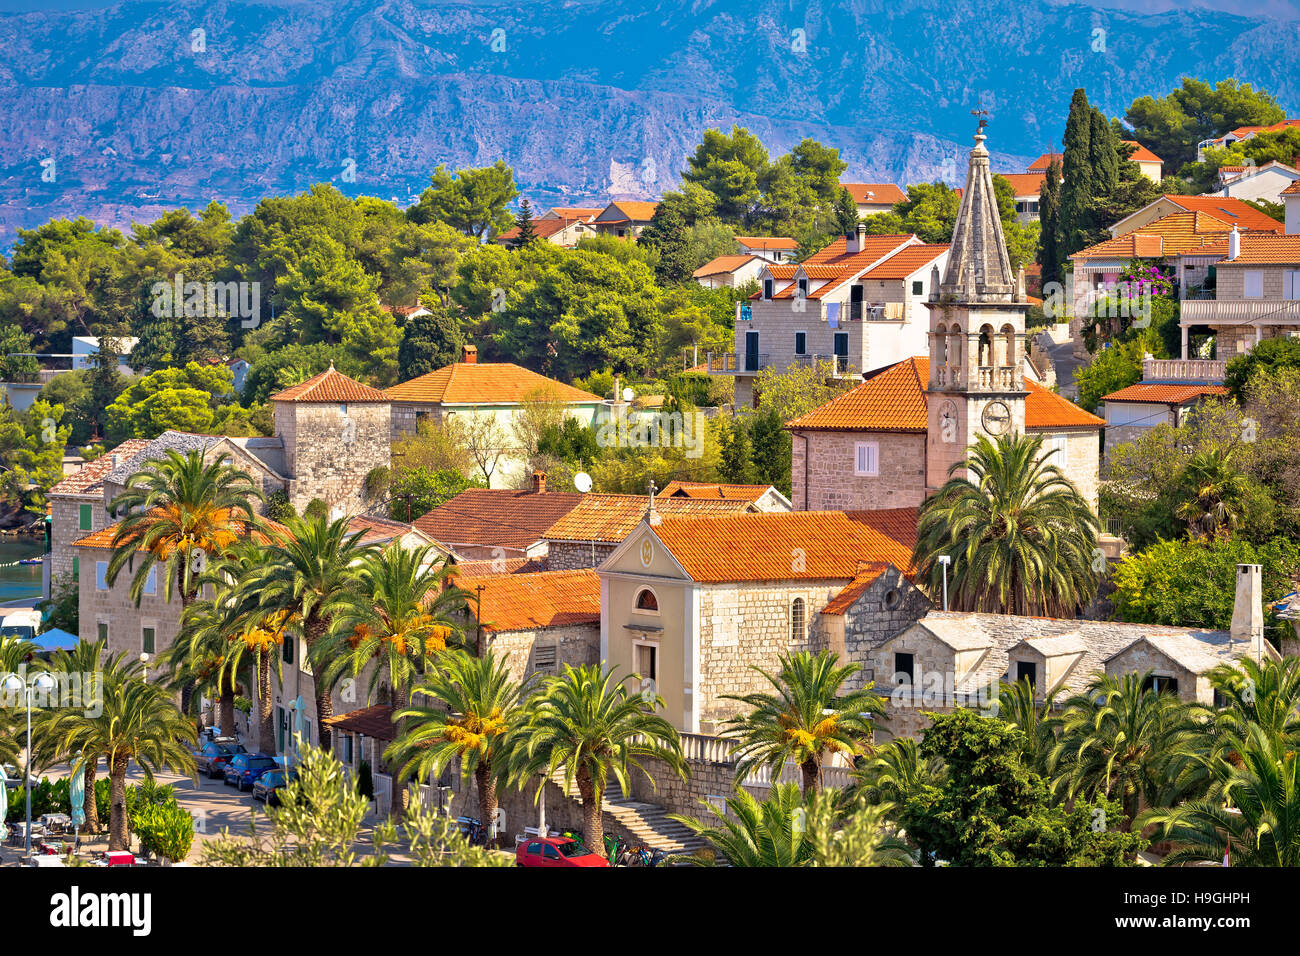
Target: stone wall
(576, 645)
(115, 608)
(704, 779)
(322, 462)
(1140, 657)
(576, 555)
(832, 485)
(406, 417)
(891, 605)
(65, 528)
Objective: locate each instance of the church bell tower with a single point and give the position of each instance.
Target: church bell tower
(977, 331)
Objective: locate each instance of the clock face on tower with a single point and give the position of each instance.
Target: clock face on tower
(996, 418)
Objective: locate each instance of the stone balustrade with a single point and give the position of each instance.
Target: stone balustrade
(1183, 370)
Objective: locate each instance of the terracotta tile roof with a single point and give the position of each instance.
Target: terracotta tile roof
(1241, 131)
(496, 517)
(1233, 212)
(782, 546)
(330, 386)
(880, 193)
(836, 265)
(476, 569)
(1169, 235)
(376, 722)
(609, 519)
(1042, 162)
(868, 574)
(103, 538)
(704, 489)
(1293, 189)
(90, 479)
(894, 400)
(1025, 184)
(522, 602)
(635, 210)
(482, 383)
(1256, 247)
(722, 264)
(1163, 394)
(768, 242)
(1141, 154)
(896, 523)
(542, 228)
(907, 261)
(377, 529)
(582, 213)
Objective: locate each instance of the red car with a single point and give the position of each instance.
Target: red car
(556, 851)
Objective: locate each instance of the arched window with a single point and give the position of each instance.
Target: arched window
(1009, 336)
(797, 621)
(957, 346)
(986, 347)
(646, 601)
(941, 345)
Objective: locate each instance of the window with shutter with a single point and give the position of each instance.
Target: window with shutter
(867, 455)
(1254, 285)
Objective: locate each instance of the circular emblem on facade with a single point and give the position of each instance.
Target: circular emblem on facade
(996, 418)
(647, 552)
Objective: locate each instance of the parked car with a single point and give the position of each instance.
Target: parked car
(213, 758)
(557, 851)
(244, 769)
(267, 784)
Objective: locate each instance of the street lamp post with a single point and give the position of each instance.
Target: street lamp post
(144, 662)
(13, 684)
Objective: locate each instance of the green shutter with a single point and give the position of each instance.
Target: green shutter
(76, 569)
(146, 640)
(85, 517)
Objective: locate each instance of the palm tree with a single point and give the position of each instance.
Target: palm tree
(586, 723)
(136, 722)
(1017, 705)
(199, 657)
(805, 719)
(307, 574)
(896, 771)
(1214, 494)
(1256, 812)
(790, 828)
(179, 513)
(401, 614)
(1116, 740)
(1021, 538)
(84, 659)
(476, 705)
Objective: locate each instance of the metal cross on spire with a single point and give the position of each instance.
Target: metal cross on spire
(982, 114)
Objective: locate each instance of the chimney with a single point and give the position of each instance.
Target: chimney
(469, 354)
(1248, 609)
(1234, 243)
(116, 462)
(854, 242)
(539, 482)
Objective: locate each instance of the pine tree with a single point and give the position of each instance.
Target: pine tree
(737, 458)
(524, 222)
(846, 213)
(666, 232)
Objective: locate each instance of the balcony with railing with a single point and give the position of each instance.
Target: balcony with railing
(998, 378)
(837, 366)
(1192, 371)
(731, 363)
(1216, 311)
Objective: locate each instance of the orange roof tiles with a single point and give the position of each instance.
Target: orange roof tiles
(837, 265)
(879, 193)
(330, 386)
(1265, 248)
(906, 262)
(374, 529)
(1167, 236)
(636, 210)
(543, 228)
(1232, 212)
(868, 574)
(1293, 189)
(1042, 162)
(1141, 154)
(782, 546)
(581, 213)
(768, 242)
(523, 602)
(611, 518)
(894, 400)
(1025, 184)
(480, 568)
(705, 489)
(496, 517)
(896, 523)
(483, 383)
(1241, 131)
(90, 478)
(721, 265)
(103, 538)
(375, 722)
(1163, 394)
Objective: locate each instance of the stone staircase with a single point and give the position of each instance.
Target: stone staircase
(646, 823)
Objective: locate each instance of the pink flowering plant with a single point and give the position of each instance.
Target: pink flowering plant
(1146, 278)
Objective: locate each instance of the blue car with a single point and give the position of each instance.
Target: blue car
(245, 769)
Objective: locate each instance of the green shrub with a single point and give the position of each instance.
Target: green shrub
(279, 507)
(164, 829)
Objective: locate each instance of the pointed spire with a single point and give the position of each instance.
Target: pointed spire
(978, 267)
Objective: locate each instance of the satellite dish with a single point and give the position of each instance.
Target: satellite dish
(582, 481)
(628, 394)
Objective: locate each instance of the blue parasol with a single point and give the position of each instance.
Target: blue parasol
(77, 797)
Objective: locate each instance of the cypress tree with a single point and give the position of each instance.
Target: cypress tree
(524, 220)
(1077, 190)
(1049, 217)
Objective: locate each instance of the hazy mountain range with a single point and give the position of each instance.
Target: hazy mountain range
(122, 111)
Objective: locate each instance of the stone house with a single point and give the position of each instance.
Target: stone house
(538, 622)
(728, 272)
(858, 304)
(689, 606)
(1169, 391)
(873, 198)
(591, 531)
(624, 218)
(1264, 183)
(868, 448)
(957, 659)
(488, 395)
(562, 232)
